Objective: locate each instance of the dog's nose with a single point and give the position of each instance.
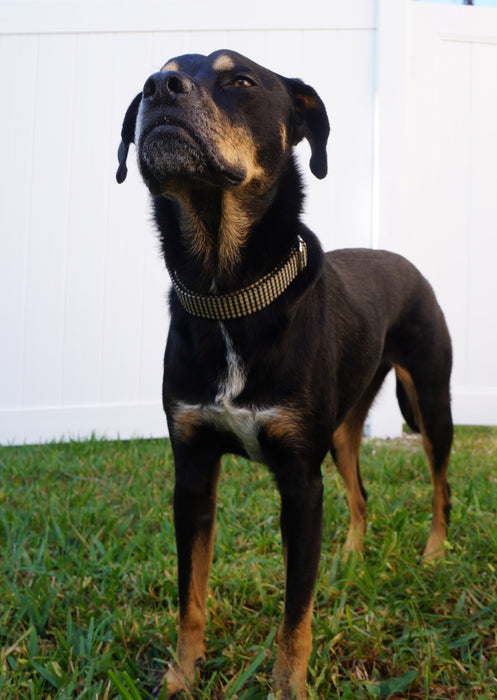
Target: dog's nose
(167, 85)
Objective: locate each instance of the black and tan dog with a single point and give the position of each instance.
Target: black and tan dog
(275, 350)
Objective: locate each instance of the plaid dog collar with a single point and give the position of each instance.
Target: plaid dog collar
(255, 297)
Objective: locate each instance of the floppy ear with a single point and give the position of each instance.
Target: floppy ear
(127, 136)
(311, 122)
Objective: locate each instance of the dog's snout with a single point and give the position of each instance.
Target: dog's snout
(167, 85)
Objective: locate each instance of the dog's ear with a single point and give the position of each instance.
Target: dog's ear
(127, 137)
(311, 122)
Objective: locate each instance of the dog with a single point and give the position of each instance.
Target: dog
(275, 350)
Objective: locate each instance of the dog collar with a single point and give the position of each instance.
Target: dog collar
(246, 301)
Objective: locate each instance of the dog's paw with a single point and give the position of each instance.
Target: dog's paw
(287, 694)
(288, 686)
(171, 686)
(435, 548)
(354, 543)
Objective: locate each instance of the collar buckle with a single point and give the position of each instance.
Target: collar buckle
(302, 253)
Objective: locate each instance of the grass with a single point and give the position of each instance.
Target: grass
(88, 590)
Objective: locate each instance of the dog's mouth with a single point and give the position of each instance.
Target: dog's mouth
(168, 128)
(171, 151)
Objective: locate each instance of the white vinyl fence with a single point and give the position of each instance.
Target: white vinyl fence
(83, 292)
(437, 154)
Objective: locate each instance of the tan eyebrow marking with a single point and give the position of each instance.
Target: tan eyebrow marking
(170, 65)
(223, 62)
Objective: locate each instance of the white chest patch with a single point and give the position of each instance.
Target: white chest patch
(242, 422)
(233, 381)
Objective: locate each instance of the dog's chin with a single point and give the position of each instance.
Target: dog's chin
(170, 158)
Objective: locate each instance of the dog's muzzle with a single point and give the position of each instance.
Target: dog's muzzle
(176, 135)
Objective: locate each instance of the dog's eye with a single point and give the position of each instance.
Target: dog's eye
(242, 81)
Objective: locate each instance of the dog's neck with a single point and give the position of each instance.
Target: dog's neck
(213, 230)
(215, 225)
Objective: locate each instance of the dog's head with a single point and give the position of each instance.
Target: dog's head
(220, 120)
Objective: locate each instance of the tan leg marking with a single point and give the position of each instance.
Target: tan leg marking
(190, 650)
(294, 651)
(438, 533)
(186, 420)
(285, 425)
(347, 442)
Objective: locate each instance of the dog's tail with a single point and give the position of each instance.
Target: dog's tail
(406, 407)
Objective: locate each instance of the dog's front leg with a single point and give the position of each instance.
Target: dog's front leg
(194, 521)
(301, 528)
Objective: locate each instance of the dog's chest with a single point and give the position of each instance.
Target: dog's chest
(234, 379)
(243, 422)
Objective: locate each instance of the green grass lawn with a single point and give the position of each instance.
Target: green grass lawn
(88, 597)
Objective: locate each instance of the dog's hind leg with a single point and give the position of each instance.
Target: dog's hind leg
(194, 521)
(429, 400)
(345, 449)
